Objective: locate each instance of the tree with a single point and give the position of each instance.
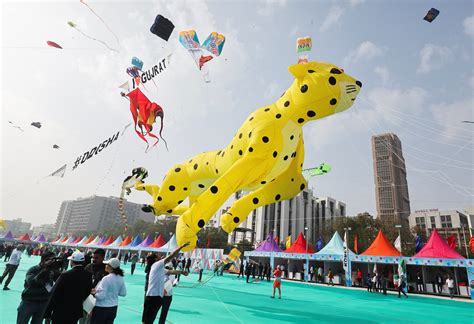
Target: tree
(216, 238)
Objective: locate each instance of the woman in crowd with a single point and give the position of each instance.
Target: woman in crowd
(106, 293)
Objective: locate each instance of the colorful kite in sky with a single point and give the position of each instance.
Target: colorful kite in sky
(53, 44)
(303, 45)
(144, 113)
(431, 15)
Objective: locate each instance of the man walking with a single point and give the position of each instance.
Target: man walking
(38, 285)
(69, 292)
(12, 265)
(133, 260)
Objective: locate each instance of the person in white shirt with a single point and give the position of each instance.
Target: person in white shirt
(106, 293)
(320, 274)
(168, 289)
(450, 284)
(156, 283)
(12, 265)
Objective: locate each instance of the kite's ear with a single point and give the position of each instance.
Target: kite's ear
(298, 70)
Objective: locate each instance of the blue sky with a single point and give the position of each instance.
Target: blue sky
(417, 82)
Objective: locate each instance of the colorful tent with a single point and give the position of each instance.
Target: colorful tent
(117, 241)
(64, 240)
(33, 238)
(24, 237)
(94, 241)
(269, 245)
(299, 246)
(82, 241)
(126, 241)
(77, 240)
(334, 247)
(41, 239)
(136, 241)
(381, 247)
(69, 241)
(101, 240)
(7, 237)
(145, 243)
(170, 246)
(436, 247)
(108, 241)
(90, 239)
(159, 242)
(58, 239)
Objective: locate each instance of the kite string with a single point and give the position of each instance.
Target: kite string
(102, 20)
(97, 40)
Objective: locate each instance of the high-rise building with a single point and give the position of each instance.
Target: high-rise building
(390, 176)
(290, 217)
(96, 213)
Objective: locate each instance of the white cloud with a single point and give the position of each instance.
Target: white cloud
(364, 52)
(354, 3)
(269, 6)
(449, 115)
(468, 24)
(433, 57)
(383, 73)
(333, 17)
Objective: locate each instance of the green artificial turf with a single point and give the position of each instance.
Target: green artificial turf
(230, 300)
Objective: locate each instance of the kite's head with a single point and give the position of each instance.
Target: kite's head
(320, 89)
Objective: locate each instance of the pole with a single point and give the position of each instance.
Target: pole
(307, 256)
(465, 243)
(400, 236)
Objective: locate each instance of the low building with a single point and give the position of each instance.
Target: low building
(447, 222)
(97, 213)
(48, 230)
(18, 227)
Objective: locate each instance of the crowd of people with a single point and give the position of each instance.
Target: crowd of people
(54, 294)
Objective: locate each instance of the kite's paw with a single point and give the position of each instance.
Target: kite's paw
(229, 222)
(185, 234)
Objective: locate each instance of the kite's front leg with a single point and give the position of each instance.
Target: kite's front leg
(194, 219)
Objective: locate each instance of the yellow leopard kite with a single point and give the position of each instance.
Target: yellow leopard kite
(264, 158)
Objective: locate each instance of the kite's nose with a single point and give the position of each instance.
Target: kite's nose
(359, 84)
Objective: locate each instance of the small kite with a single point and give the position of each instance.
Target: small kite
(431, 15)
(320, 170)
(136, 62)
(73, 25)
(15, 126)
(53, 44)
(162, 27)
(138, 174)
(213, 44)
(144, 113)
(56, 146)
(36, 124)
(133, 72)
(303, 45)
(100, 18)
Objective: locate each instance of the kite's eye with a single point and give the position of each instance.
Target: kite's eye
(335, 71)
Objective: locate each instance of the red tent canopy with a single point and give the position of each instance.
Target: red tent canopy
(90, 239)
(24, 237)
(159, 242)
(109, 241)
(64, 239)
(381, 247)
(436, 247)
(77, 240)
(126, 241)
(299, 246)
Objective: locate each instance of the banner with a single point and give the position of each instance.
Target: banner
(398, 243)
(150, 74)
(346, 263)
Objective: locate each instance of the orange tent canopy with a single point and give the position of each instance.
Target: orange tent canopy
(108, 241)
(159, 242)
(126, 241)
(90, 239)
(299, 246)
(381, 247)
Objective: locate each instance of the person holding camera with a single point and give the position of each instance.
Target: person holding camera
(39, 282)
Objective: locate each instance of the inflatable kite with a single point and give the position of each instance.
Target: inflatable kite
(320, 170)
(53, 44)
(136, 62)
(138, 175)
(264, 158)
(213, 44)
(144, 114)
(431, 15)
(162, 27)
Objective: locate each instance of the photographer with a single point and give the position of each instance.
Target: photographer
(38, 284)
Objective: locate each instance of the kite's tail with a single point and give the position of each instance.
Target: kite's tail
(103, 21)
(161, 115)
